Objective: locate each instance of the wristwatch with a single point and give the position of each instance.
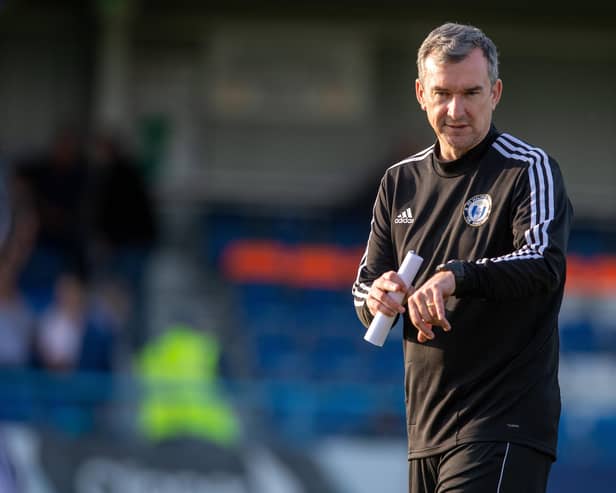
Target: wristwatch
(458, 271)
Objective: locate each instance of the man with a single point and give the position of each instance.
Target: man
(490, 216)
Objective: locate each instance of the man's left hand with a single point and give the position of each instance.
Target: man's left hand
(427, 304)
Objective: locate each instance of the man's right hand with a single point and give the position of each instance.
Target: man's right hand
(378, 298)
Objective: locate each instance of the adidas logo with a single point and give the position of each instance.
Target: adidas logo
(405, 217)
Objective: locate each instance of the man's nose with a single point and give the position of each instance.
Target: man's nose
(455, 109)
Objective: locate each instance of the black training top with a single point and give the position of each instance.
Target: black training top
(502, 212)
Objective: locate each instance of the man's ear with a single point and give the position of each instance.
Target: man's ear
(420, 94)
(496, 92)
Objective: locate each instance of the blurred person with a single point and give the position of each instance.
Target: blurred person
(62, 326)
(183, 398)
(124, 224)
(71, 335)
(75, 344)
(17, 320)
(489, 214)
(57, 182)
(6, 208)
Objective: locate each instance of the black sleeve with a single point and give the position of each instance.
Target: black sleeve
(379, 255)
(540, 222)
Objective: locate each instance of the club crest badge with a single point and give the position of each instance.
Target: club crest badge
(477, 209)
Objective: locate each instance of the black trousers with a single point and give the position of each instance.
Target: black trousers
(481, 467)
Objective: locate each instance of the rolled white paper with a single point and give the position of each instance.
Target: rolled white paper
(381, 323)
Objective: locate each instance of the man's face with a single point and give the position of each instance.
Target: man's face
(458, 100)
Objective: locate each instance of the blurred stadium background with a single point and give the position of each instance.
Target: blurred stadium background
(191, 184)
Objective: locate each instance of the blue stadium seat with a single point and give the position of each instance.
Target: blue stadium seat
(604, 438)
(334, 358)
(280, 355)
(578, 336)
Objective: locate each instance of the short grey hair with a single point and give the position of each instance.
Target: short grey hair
(452, 43)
